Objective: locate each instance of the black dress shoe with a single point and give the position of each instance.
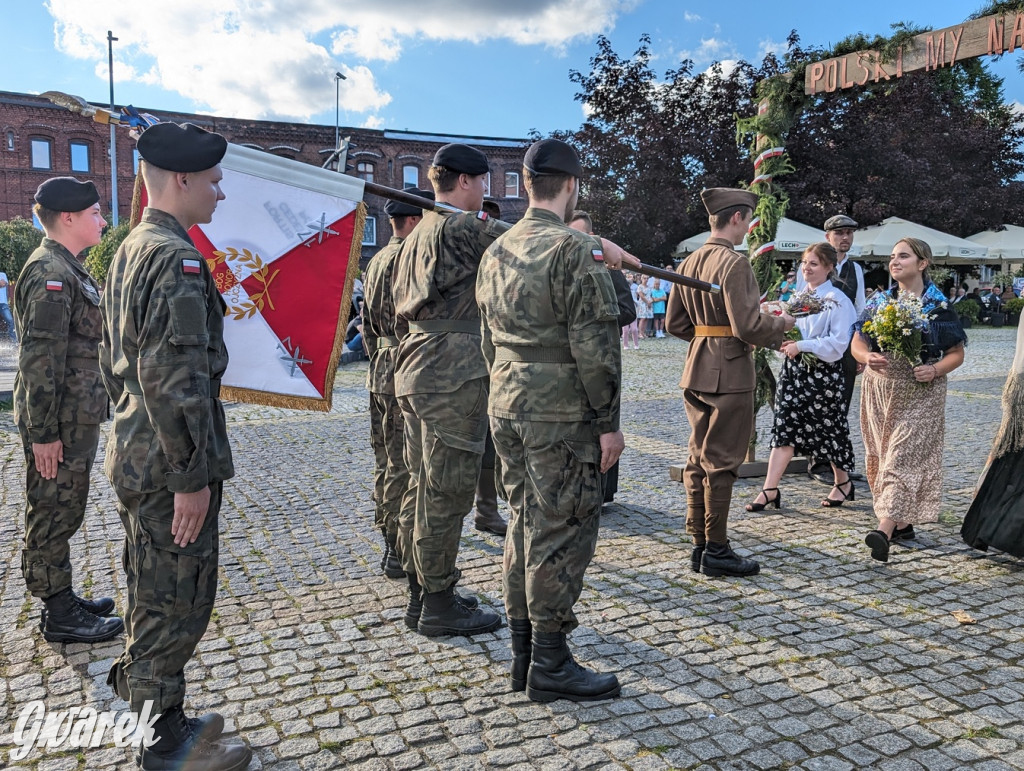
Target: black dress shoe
(820, 471)
(879, 543)
(905, 534)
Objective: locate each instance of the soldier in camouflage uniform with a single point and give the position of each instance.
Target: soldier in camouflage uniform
(162, 358)
(59, 403)
(441, 384)
(387, 426)
(551, 341)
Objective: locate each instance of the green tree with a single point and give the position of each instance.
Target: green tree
(18, 239)
(98, 260)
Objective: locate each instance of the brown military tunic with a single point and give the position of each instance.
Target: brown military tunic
(58, 394)
(162, 358)
(718, 378)
(441, 381)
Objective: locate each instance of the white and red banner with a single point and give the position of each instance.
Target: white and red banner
(284, 249)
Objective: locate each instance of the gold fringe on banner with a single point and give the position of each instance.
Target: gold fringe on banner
(270, 399)
(1011, 432)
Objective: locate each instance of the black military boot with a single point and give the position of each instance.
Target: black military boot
(415, 607)
(64, 620)
(554, 673)
(487, 518)
(207, 728)
(447, 613)
(101, 606)
(521, 646)
(695, 557)
(389, 562)
(720, 560)
(178, 746)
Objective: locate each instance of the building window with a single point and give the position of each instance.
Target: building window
(511, 184)
(410, 176)
(364, 170)
(10, 140)
(370, 229)
(487, 185)
(42, 155)
(80, 157)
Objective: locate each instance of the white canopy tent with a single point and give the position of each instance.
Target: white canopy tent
(1006, 244)
(791, 239)
(878, 240)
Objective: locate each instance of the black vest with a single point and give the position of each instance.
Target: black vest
(847, 280)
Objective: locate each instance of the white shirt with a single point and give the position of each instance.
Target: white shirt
(858, 271)
(3, 289)
(827, 334)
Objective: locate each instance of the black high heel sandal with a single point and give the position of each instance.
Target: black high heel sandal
(776, 501)
(830, 503)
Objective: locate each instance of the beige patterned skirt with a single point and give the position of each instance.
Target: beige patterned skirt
(903, 423)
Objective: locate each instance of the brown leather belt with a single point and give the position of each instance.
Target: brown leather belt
(702, 330)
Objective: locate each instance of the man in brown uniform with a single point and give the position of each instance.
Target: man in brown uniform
(718, 379)
(162, 359)
(59, 403)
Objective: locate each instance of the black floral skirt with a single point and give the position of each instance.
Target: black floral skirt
(809, 412)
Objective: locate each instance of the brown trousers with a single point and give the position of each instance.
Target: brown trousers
(719, 435)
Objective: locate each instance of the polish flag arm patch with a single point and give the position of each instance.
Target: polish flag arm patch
(481, 215)
(190, 266)
(598, 255)
(54, 286)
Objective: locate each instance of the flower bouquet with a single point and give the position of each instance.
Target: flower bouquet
(805, 303)
(897, 326)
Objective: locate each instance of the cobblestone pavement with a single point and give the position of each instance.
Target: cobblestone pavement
(826, 660)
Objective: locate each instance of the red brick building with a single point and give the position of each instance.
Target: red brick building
(39, 140)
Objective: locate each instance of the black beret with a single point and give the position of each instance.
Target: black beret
(66, 194)
(399, 209)
(462, 159)
(718, 199)
(552, 156)
(182, 148)
(839, 222)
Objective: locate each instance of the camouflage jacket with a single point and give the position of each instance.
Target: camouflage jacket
(57, 304)
(434, 281)
(550, 325)
(162, 358)
(379, 319)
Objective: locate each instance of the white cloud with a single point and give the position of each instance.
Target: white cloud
(373, 122)
(276, 58)
(691, 17)
(1017, 107)
(769, 46)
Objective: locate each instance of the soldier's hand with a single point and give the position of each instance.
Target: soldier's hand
(788, 320)
(47, 456)
(612, 445)
(615, 255)
(189, 515)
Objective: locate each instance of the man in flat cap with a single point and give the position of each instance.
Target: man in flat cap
(551, 342)
(162, 358)
(387, 425)
(59, 403)
(718, 378)
(839, 231)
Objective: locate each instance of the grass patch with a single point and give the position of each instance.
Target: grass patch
(988, 732)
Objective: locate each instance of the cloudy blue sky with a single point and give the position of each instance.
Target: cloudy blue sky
(485, 68)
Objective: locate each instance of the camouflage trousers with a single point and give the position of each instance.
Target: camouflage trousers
(551, 480)
(55, 509)
(444, 442)
(171, 591)
(390, 474)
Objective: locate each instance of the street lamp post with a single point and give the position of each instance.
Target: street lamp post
(113, 135)
(338, 77)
